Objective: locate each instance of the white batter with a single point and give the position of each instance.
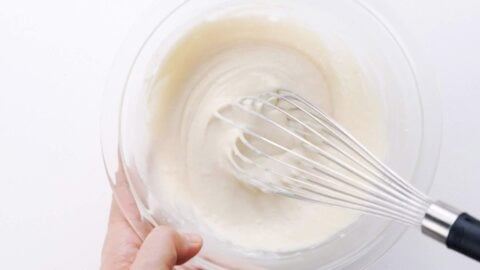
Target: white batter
(215, 63)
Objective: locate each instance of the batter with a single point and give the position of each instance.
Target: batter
(221, 60)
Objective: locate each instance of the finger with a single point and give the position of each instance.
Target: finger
(121, 242)
(190, 246)
(116, 215)
(128, 209)
(164, 248)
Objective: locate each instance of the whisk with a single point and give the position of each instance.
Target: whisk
(288, 146)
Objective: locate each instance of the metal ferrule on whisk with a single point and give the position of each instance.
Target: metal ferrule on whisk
(438, 221)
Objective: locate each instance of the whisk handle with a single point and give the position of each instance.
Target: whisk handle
(464, 236)
(459, 231)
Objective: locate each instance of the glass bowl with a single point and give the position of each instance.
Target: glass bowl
(405, 87)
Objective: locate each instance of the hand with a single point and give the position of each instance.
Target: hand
(124, 248)
(162, 249)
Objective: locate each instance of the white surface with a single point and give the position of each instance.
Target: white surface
(54, 60)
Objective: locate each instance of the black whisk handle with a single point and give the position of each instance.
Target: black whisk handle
(464, 236)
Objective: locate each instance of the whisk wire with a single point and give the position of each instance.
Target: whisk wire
(340, 194)
(388, 192)
(318, 150)
(331, 126)
(367, 155)
(348, 181)
(366, 185)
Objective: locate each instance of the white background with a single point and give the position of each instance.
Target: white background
(54, 59)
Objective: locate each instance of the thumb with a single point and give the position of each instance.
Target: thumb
(164, 248)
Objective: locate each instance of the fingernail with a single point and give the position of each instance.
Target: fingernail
(192, 239)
